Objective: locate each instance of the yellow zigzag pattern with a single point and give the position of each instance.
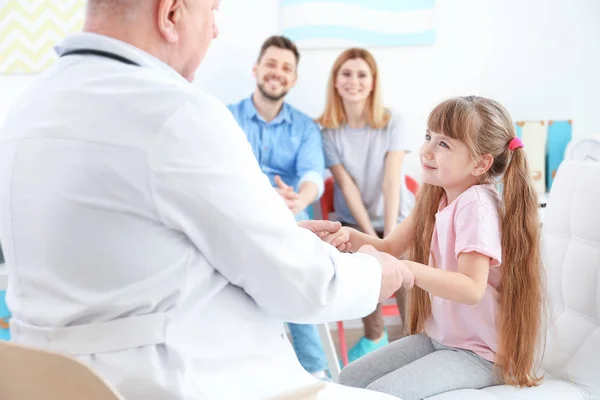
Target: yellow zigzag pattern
(29, 29)
(26, 8)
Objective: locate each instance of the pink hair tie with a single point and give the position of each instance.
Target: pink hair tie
(515, 143)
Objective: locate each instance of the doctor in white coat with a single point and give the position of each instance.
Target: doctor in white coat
(140, 234)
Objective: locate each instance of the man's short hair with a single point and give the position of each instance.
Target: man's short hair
(281, 42)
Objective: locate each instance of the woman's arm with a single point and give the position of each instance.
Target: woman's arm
(353, 198)
(465, 286)
(391, 189)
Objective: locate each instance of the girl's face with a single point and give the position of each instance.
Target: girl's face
(448, 163)
(354, 81)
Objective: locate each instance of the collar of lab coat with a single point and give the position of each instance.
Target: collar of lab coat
(95, 41)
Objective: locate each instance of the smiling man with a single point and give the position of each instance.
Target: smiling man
(286, 142)
(288, 146)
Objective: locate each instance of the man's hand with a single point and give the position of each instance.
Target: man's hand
(292, 199)
(394, 273)
(328, 231)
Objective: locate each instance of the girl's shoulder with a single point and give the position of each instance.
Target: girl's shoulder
(484, 195)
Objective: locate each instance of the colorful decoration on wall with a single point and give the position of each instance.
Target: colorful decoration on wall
(364, 23)
(534, 135)
(29, 29)
(560, 134)
(4, 317)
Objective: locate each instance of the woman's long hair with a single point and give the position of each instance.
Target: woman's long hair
(486, 128)
(334, 115)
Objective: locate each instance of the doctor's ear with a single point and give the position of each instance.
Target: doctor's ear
(168, 16)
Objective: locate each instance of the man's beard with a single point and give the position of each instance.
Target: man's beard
(269, 96)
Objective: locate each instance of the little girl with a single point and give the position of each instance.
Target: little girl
(477, 301)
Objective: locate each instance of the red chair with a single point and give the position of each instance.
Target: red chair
(388, 310)
(411, 184)
(327, 198)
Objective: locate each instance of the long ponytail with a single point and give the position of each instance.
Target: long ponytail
(521, 290)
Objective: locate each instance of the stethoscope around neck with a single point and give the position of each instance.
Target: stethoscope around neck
(100, 53)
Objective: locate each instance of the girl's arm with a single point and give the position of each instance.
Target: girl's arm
(466, 286)
(396, 243)
(353, 198)
(391, 189)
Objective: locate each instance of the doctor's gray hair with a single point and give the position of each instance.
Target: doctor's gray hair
(115, 7)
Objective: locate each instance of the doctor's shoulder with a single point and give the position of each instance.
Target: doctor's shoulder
(212, 109)
(176, 95)
(208, 114)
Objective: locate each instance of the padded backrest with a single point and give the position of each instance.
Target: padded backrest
(327, 198)
(310, 392)
(571, 240)
(27, 373)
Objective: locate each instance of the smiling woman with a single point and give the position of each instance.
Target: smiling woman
(364, 146)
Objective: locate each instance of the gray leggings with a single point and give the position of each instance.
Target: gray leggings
(416, 367)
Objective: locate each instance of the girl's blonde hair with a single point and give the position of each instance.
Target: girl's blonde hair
(486, 128)
(334, 115)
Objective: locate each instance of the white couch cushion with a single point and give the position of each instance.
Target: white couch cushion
(572, 256)
(549, 390)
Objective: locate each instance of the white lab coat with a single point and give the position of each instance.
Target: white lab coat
(142, 237)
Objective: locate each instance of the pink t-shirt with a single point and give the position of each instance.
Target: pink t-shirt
(470, 223)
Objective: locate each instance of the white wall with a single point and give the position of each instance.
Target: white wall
(541, 58)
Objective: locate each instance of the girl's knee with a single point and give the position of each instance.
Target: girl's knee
(351, 376)
(399, 389)
(379, 385)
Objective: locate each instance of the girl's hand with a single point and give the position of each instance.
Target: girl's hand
(339, 239)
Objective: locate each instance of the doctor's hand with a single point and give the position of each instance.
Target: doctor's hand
(394, 273)
(320, 226)
(327, 230)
